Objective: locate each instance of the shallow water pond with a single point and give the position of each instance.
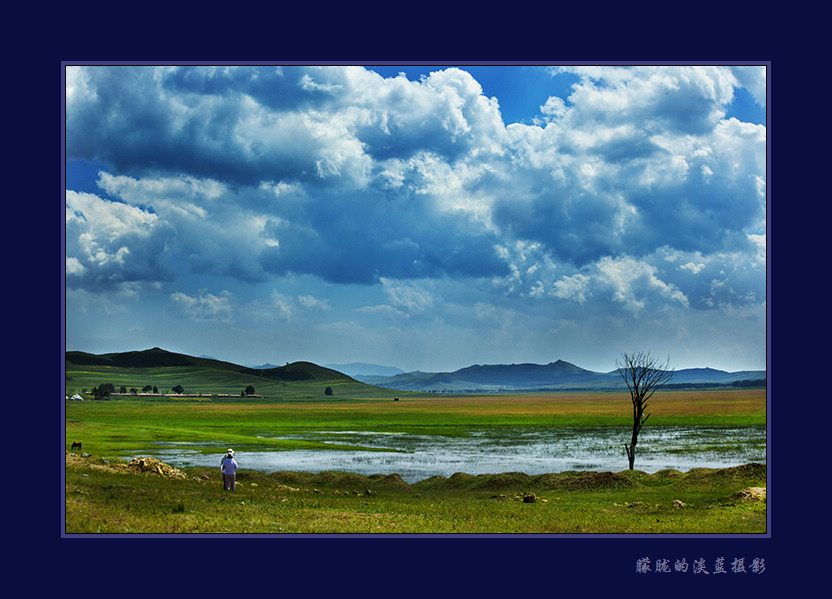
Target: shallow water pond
(533, 451)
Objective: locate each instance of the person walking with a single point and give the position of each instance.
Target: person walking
(227, 455)
(229, 471)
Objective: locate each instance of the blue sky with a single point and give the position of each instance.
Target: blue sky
(445, 217)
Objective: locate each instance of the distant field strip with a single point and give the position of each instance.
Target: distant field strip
(124, 423)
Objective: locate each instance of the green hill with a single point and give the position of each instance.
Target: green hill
(133, 359)
(164, 370)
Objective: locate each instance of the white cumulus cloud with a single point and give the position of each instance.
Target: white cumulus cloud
(205, 306)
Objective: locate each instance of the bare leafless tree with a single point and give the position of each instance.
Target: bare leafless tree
(643, 376)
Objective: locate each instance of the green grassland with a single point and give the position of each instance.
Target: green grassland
(108, 497)
(104, 496)
(108, 427)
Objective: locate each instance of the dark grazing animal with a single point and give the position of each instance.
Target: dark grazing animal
(76, 445)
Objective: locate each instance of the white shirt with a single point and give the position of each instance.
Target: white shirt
(229, 466)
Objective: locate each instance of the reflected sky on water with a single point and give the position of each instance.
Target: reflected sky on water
(417, 457)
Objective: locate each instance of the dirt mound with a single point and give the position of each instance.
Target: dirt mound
(324, 478)
(151, 465)
(596, 480)
(753, 474)
(393, 481)
(669, 474)
(90, 461)
(338, 480)
(752, 470)
(750, 494)
(154, 466)
(334, 478)
(458, 480)
(504, 480)
(546, 481)
(434, 481)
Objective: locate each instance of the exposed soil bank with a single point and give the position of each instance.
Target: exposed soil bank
(571, 480)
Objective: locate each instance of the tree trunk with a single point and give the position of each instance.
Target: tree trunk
(631, 449)
(631, 454)
(638, 421)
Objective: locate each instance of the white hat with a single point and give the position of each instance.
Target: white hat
(231, 451)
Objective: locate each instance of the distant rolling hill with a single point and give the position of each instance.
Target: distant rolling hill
(299, 371)
(164, 369)
(554, 376)
(135, 359)
(156, 357)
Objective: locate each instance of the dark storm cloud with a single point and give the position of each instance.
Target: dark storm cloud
(110, 244)
(359, 238)
(149, 121)
(243, 125)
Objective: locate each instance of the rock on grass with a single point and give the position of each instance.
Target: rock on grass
(750, 494)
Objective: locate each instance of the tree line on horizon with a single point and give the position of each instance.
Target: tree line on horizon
(104, 390)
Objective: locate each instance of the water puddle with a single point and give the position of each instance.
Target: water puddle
(417, 457)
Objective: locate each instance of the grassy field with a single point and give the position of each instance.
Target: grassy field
(106, 495)
(114, 497)
(107, 427)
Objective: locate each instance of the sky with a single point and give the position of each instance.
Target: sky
(422, 217)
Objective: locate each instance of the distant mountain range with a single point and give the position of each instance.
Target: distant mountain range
(555, 376)
(363, 369)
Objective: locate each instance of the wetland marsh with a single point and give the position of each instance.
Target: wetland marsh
(533, 451)
(460, 464)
